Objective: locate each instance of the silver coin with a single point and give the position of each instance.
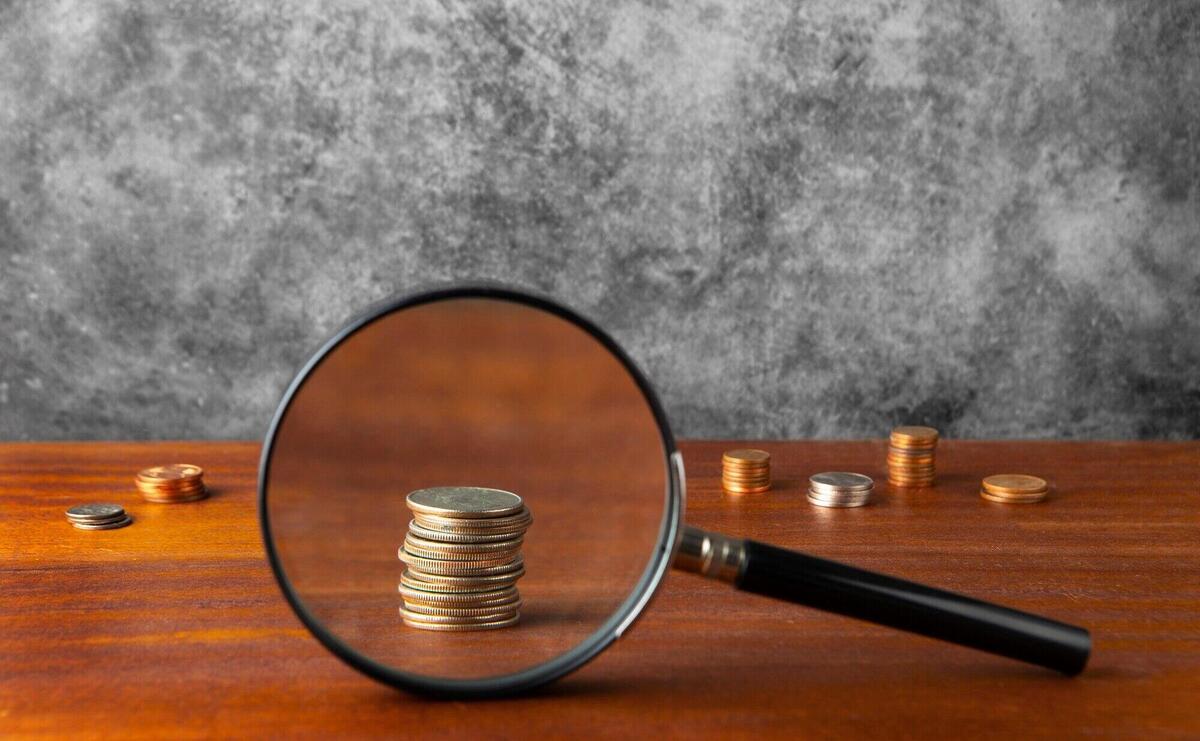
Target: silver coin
(845, 500)
(478, 526)
(96, 511)
(840, 481)
(104, 525)
(452, 627)
(449, 582)
(499, 608)
(463, 549)
(433, 566)
(450, 536)
(456, 598)
(457, 619)
(464, 502)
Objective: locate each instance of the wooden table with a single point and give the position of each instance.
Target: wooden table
(174, 627)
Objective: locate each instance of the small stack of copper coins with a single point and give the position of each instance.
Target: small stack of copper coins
(177, 482)
(910, 459)
(746, 471)
(1014, 488)
(463, 559)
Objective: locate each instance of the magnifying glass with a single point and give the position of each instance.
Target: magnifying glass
(472, 491)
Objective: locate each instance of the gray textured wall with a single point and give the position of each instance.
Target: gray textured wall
(810, 218)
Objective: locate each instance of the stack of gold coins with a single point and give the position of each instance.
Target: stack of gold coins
(177, 482)
(463, 558)
(1014, 488)
(746, 471)
(840, 489)
(910, 456)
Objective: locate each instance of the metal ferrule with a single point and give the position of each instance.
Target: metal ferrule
(710, 554)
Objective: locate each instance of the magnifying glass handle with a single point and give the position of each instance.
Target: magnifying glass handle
(846, 590)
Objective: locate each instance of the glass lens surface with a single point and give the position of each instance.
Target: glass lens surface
(466, 392)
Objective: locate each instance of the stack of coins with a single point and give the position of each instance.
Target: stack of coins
(98, 516)
(910, 456)
(1014, 488)
(840, 489)
(463, 558)
(178, 482)
(746, 471)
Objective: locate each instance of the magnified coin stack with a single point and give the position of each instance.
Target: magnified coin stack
(746, 471)
(1014, 488)
(98, 516)
(177, 482)
(910, 459)
(840, 489)
(463, 559)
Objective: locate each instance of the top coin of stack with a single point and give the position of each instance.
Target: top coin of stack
(463, 558)
(746, 471)
(840, 489)
(98, 516)
(910, 457)
(177, 482)
(1014, 488)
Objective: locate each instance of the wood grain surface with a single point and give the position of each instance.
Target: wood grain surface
(173, 627)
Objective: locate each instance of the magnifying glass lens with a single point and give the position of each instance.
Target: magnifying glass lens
(469, 395)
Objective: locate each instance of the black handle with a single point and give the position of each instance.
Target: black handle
(836, 587)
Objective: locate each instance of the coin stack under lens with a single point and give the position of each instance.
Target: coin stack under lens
(463, 559)
(746, 471)
(910, 459)
(98, 516)
(840, 489)
(1014, 488)
(178, 482)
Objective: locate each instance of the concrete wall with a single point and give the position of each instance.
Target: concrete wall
(803, 219)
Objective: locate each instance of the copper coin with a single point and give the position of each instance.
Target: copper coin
(1015, 483)
(914, 435)
(1011, 499)
(747, 455)
(171, 472)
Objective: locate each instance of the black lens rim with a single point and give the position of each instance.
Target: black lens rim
(563, 664)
